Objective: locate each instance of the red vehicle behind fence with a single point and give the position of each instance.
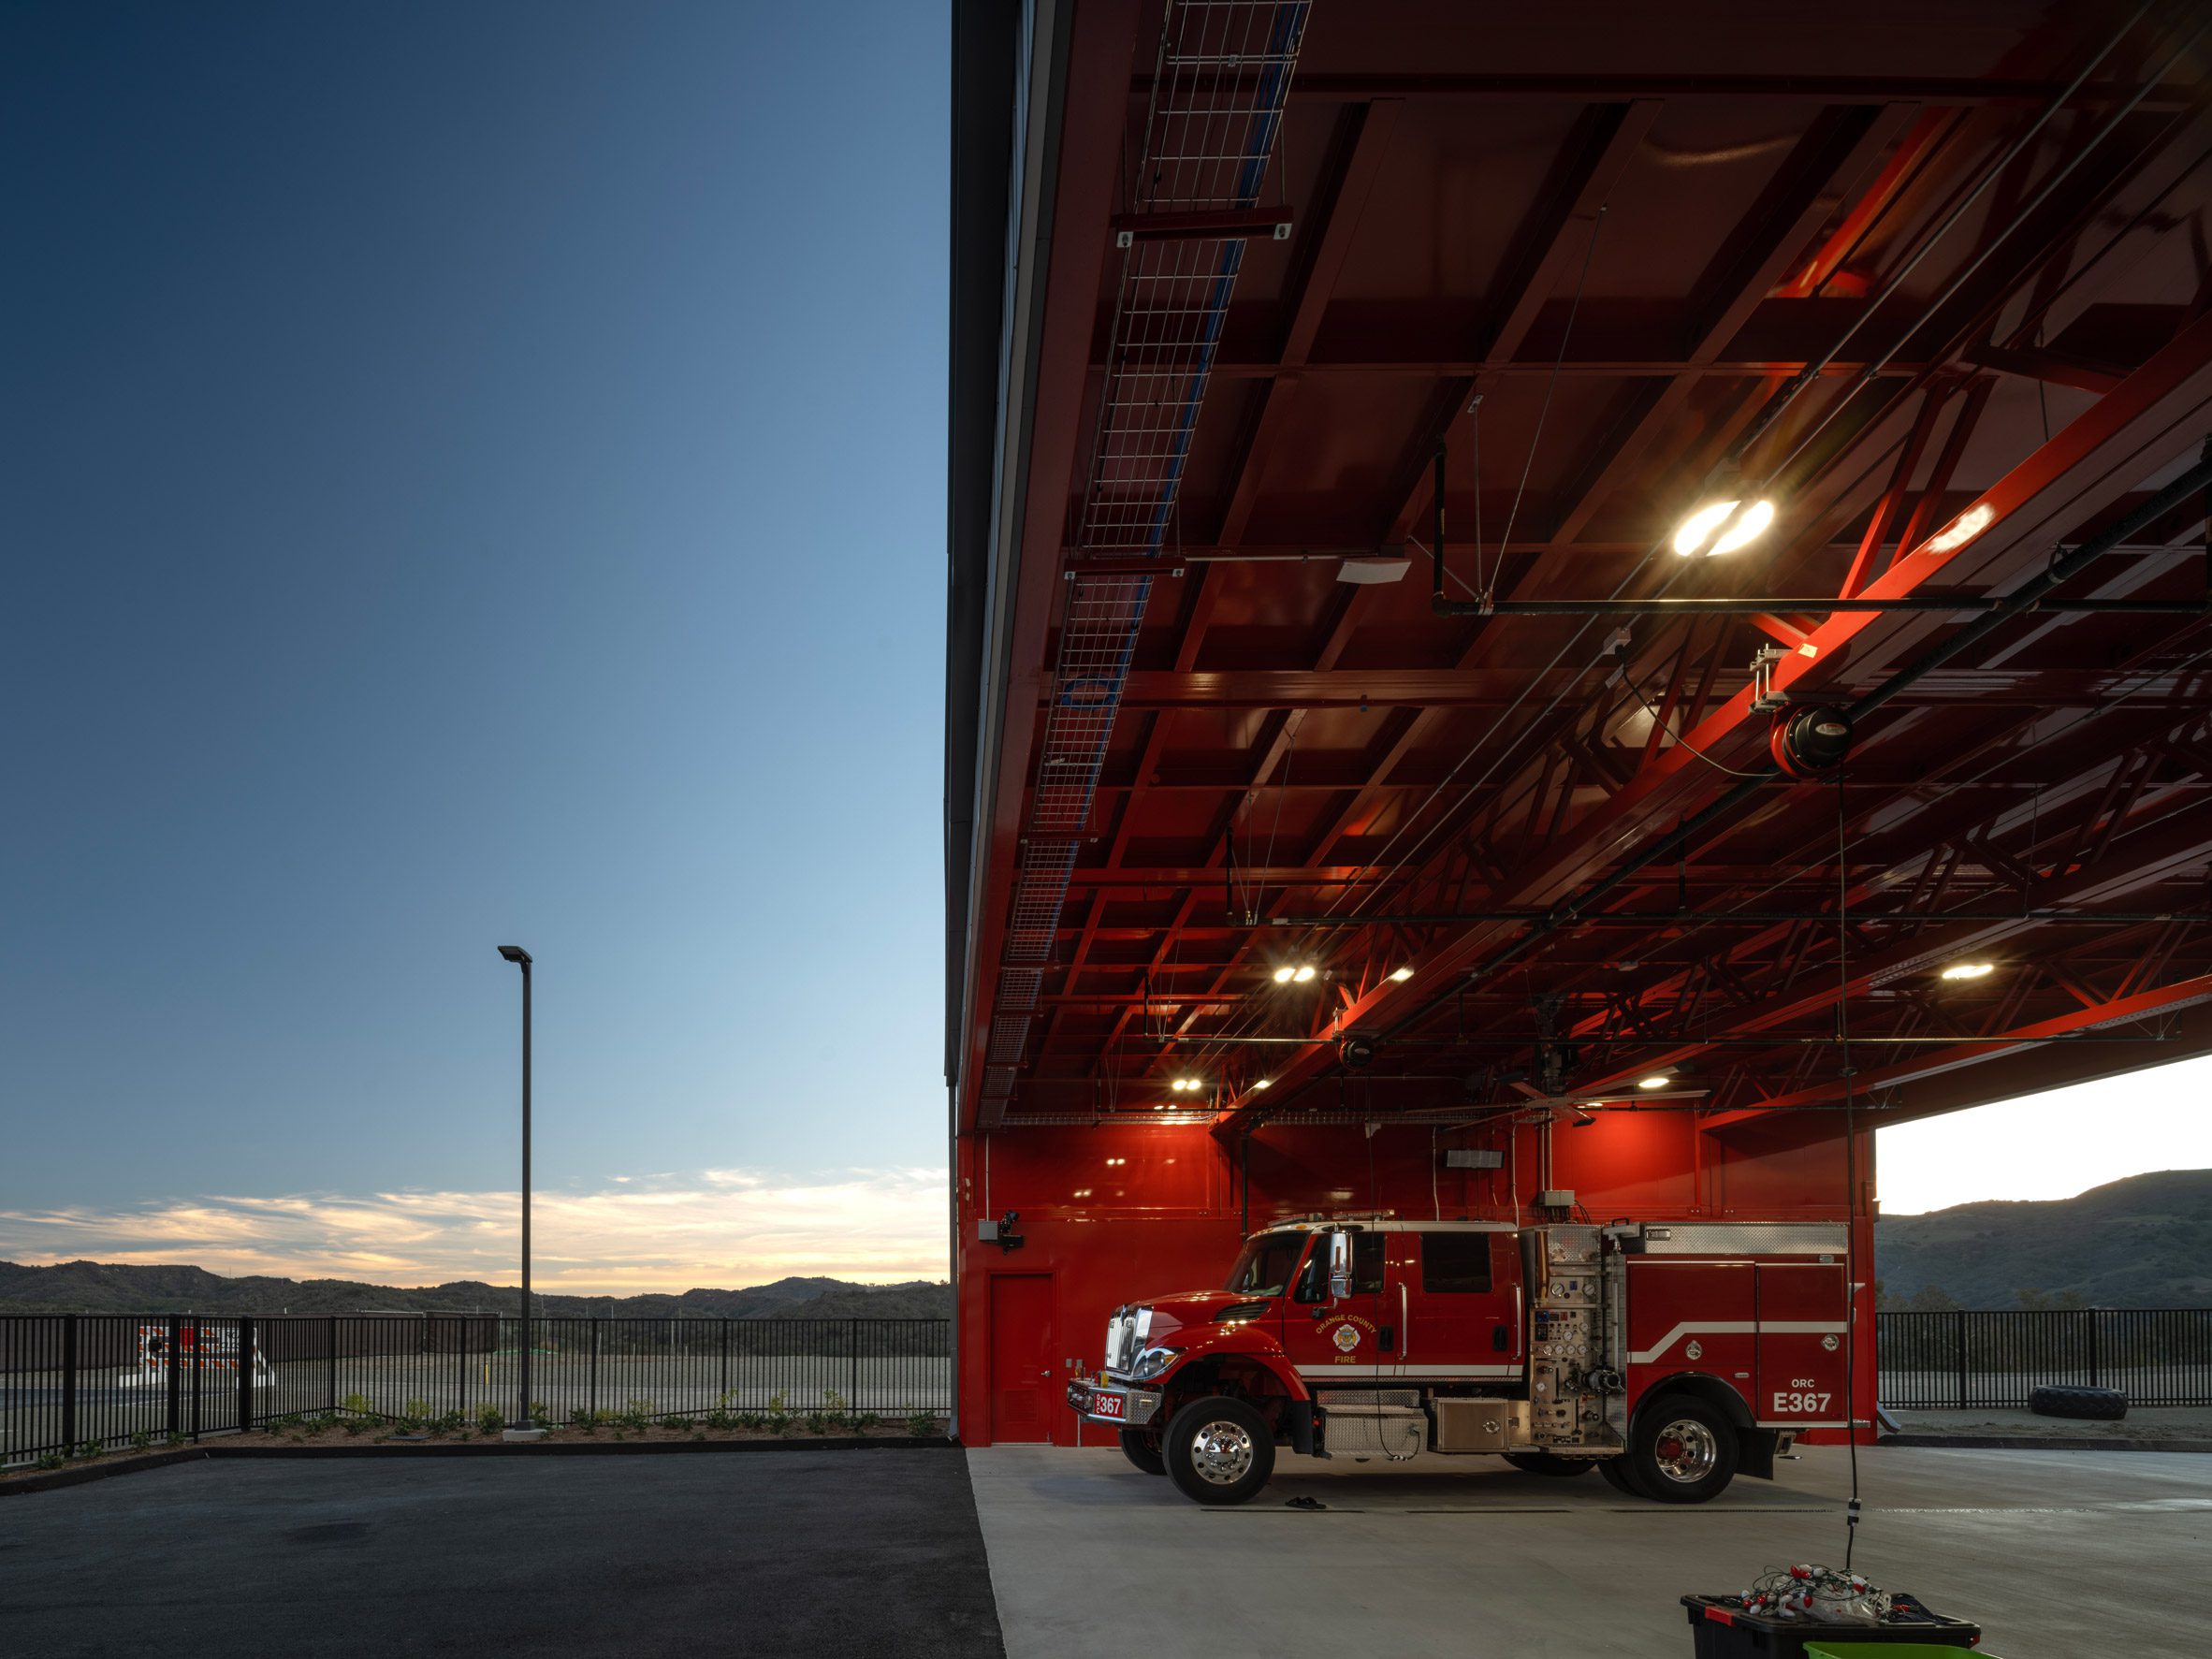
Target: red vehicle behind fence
(1669, 1358)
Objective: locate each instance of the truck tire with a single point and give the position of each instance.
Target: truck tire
(1220, 1450)
(1620, 1477)
(1142, 1449)
(1547, 1462)
(1681, 1450)
(2107, 1405)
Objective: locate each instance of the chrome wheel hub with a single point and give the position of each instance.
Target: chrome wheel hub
(1221, 1453)
(1685, 1451)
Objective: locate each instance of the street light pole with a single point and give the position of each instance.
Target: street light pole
(519, 956)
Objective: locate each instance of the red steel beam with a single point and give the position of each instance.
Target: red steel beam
(2167, 1000)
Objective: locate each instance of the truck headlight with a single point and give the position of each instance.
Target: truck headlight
(1152, 1361)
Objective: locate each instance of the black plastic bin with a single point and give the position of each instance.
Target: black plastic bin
(1722, 1630)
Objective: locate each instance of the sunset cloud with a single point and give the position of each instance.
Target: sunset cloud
(719, 1228)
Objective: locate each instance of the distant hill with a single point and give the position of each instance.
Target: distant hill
(2145, 1242)
(95, 1287)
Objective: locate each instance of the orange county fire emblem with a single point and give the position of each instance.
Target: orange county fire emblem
(1346, 1338)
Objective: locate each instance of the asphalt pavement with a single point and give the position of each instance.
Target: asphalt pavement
(847, 1552)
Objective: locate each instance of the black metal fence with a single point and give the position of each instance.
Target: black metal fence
(73, 1381)
(1960, 1360)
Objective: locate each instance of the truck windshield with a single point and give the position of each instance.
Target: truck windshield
(1265, 1267)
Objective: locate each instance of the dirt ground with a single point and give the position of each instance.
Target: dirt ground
(653, 1433)
(2177, 1422)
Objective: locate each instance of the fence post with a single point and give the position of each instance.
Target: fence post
(330, 1378)
(724, 1398)
(176, 1379)
(245, 1375)
(853, 1400)
(69, 1382)
(591, 1394)
(1961, 1317)
(2092, 1317)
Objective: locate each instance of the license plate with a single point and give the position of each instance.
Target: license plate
(1106, 1404)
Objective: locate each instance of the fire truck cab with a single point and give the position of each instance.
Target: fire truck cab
(1668, 1357)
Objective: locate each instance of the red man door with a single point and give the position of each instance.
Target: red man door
(1021, 1355)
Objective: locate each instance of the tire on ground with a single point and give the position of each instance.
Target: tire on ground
(1142, 1449)
(1620, 1477)
(1220, 1450)
(1549, 1462)
(1682, 1450)
(2106, 1406)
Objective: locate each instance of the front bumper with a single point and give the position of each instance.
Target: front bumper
(1115, 1405)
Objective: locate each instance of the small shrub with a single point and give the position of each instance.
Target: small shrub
(921, 1424)
(750, 1419)
(414, 1416)
(142, 1440)
(540, 1413)
(450, 1422)
(356, 1402)
(675, 1419)
(357, 1425)
(866, 1422)
(52, 1460)
(489, 1421)
(835, 1412)
(636, 1416)
(322, 1423)
(817, 1423)
(173, 1438)
(777, 1421)
(720, 1419)
(88, 1450)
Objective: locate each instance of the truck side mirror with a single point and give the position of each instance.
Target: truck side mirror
(1340, 1265)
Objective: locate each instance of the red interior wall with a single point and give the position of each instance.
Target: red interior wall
(1119, 1213)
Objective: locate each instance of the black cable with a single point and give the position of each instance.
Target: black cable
(1849, 1170)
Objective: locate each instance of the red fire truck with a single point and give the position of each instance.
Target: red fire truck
(1669, 1358)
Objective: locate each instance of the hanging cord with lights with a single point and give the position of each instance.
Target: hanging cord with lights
(1849, 1170)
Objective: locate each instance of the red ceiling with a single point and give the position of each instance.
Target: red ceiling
(1736, 181)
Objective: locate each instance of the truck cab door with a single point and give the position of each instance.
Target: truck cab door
(1350, 1339)
(1463, 1305)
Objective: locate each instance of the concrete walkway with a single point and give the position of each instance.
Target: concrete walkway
(2059, 1555)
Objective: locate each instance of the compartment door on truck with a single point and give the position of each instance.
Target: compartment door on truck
(1803, 1325)
(1692, 1316)
(1351, 1340)
(1462, 1307)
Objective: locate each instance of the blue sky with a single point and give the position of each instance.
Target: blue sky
(470, 473)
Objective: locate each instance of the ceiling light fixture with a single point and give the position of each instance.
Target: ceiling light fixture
(1961, 530)
(1727, 518)
(1401, 974)
(1263, 1082)
(1658, 1080)
(1305, 974)
(1283, 974)
(1970, 970)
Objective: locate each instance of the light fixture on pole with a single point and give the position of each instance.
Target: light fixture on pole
(526, 1425)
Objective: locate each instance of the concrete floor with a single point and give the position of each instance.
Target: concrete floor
(755, 1553)
(2059, 1555)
